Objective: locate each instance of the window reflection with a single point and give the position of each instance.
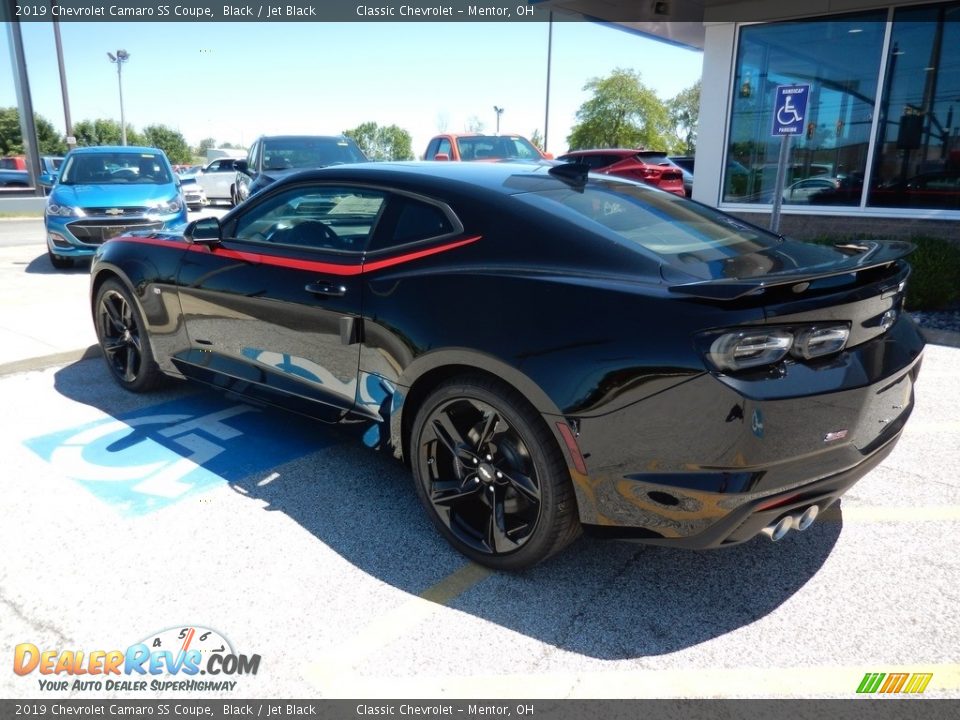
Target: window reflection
(840, 60)
(917, 161)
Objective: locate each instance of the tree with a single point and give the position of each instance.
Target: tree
(537, 139)
(623, 112)
(475, 125)
(103, 132)
(205, 145)
(170, 141)
(11, 138)
(382, 143)
(685, 116)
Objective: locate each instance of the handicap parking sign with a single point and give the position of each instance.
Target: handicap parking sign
(790, 109)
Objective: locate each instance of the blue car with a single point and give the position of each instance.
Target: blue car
(102, 192)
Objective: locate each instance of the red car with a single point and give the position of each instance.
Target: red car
(633, 165)
(475, 147)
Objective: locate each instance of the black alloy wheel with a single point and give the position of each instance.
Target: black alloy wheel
(123, 339)
(491, 476)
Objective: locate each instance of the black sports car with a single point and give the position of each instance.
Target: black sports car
(549, 351)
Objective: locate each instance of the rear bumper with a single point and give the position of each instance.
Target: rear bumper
(752, 516)
(709, 462)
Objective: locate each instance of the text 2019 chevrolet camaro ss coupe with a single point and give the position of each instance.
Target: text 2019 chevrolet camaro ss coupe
(549, 351)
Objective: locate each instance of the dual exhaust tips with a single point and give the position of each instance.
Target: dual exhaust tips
(779, 529)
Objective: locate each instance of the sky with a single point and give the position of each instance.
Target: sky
(236, 81)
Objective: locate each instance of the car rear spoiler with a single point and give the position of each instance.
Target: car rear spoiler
(861, 256)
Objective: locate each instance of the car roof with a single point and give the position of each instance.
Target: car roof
(626, 152)
(435, 176)
(294, 137)
(116, 148)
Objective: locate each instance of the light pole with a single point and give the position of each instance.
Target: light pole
(499, 112)
(119, 59)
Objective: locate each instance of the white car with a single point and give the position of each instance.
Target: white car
(803, 190)
(217, 180)
(193, 195)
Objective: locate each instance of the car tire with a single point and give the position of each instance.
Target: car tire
(234, 200)
(124, 341)
(491, 476)
(58, 261)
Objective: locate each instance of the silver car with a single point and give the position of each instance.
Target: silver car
(217, 180)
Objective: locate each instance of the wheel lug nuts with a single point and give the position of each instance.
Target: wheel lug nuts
(489, 458)
(499, 475)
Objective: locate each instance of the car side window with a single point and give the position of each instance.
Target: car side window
(314, 217)
(444, 147)
(411, 220)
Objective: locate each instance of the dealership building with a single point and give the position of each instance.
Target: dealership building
(878, 151)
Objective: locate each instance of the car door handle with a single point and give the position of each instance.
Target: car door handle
(326, 288)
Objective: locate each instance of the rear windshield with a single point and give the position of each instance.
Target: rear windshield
(286, 153)
(677, 230)
(119, 168)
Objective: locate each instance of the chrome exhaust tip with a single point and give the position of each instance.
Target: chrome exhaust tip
(806, 520)
(776, 531)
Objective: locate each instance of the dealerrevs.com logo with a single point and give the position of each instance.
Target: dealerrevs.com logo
(172, 659)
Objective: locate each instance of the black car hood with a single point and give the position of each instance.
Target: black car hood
(786, 263)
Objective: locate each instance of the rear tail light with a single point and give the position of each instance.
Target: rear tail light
(735, 350)
(815, 342)
(749, 348)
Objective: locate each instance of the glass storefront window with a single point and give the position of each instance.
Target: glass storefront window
(917, 162)
(840, 59)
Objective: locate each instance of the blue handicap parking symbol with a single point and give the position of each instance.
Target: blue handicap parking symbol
(150, 459)
(790, 109)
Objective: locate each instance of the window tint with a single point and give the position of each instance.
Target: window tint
(444, 146)
(316, 217)
(419, 221)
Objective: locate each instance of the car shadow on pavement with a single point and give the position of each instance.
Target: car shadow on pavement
(602, 599)
(40, 265)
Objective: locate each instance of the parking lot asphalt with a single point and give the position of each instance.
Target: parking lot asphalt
(127, 517)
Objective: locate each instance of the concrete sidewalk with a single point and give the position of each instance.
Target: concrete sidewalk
(45, 315)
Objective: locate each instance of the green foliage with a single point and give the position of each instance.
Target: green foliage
(205, 145)
(170, 141)
(537, 139)
(935, 281)
(382, 143)
(11, 139)
(684, 112)
(623, 112)
(104, 132)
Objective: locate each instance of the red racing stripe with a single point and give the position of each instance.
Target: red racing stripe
(311, 265)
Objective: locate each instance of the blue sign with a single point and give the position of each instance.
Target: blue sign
(790, 109)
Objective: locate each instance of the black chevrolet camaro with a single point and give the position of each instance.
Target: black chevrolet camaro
(550, 352)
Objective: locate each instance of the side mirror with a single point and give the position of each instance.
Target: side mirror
(205, 231)
(47, 179)
(241, 166)
(441, 156)
(548, 156)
